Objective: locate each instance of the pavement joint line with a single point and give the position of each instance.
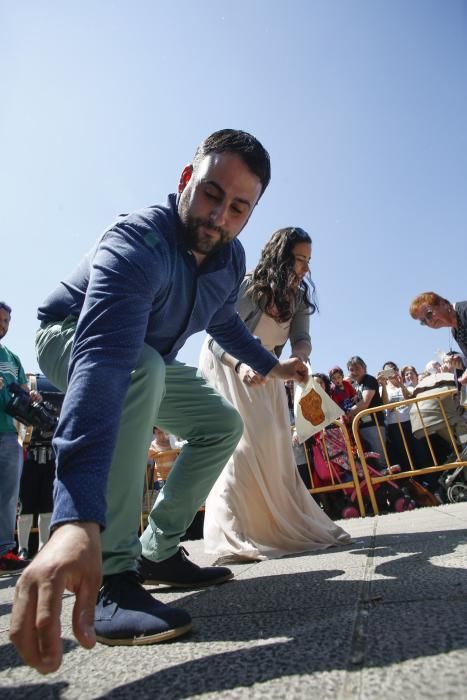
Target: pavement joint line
(379, 599)
(353, 682)
(272, 611)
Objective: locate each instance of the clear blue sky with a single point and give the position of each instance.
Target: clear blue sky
(362, 105)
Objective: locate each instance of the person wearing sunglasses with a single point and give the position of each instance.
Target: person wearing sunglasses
(432, 310)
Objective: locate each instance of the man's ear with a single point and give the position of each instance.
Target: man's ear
(185, 177)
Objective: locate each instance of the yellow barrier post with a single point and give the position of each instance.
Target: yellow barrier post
(440, 396)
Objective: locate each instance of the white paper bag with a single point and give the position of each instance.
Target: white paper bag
(319, 409)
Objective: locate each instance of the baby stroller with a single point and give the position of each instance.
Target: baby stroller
(454, 484)
(331, 465)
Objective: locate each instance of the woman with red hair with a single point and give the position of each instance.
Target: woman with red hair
(434, 311)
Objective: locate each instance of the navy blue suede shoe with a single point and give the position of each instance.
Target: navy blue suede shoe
(179, 572)
(127, 614)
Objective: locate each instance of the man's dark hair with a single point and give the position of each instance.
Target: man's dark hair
(254, 155)
(4, 305)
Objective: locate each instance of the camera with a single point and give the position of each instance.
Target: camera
(39, 415)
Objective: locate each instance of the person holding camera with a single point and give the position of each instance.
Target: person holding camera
(11, 453)
(109, 335)
(397, 419)
(37, 478)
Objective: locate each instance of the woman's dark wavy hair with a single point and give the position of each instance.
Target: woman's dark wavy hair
(243, 144)
(274, 276)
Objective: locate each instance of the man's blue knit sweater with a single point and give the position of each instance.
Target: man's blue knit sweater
(139, 284)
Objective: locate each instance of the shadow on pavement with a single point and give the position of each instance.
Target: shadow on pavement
(315, 621)
(9, 658)
(33, 691)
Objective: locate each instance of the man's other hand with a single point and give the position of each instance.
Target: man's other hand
(71, 560)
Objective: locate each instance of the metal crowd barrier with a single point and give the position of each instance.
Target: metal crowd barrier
(335, 483)
(448, 430)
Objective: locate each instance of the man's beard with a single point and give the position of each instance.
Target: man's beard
(201, 243)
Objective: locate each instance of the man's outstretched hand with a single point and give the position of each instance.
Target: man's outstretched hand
(71, 560)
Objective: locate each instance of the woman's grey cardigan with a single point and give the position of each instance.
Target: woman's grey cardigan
(250, 313)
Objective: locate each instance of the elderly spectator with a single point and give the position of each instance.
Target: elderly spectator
(436, 312)
(433, 367)
(430, 418)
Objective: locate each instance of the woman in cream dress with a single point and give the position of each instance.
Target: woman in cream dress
(259, 507)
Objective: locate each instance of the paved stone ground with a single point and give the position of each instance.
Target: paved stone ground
(385, 616)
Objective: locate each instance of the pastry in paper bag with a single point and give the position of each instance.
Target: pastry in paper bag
(314, 409)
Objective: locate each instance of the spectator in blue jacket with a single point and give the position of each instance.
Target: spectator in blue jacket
(111, 332)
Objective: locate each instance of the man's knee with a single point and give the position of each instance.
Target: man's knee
(150, 369)
(233, 425)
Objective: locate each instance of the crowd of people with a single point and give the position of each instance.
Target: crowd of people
(108, 340)
(398, 442)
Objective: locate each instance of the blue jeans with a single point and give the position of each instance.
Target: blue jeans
(11, 462)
